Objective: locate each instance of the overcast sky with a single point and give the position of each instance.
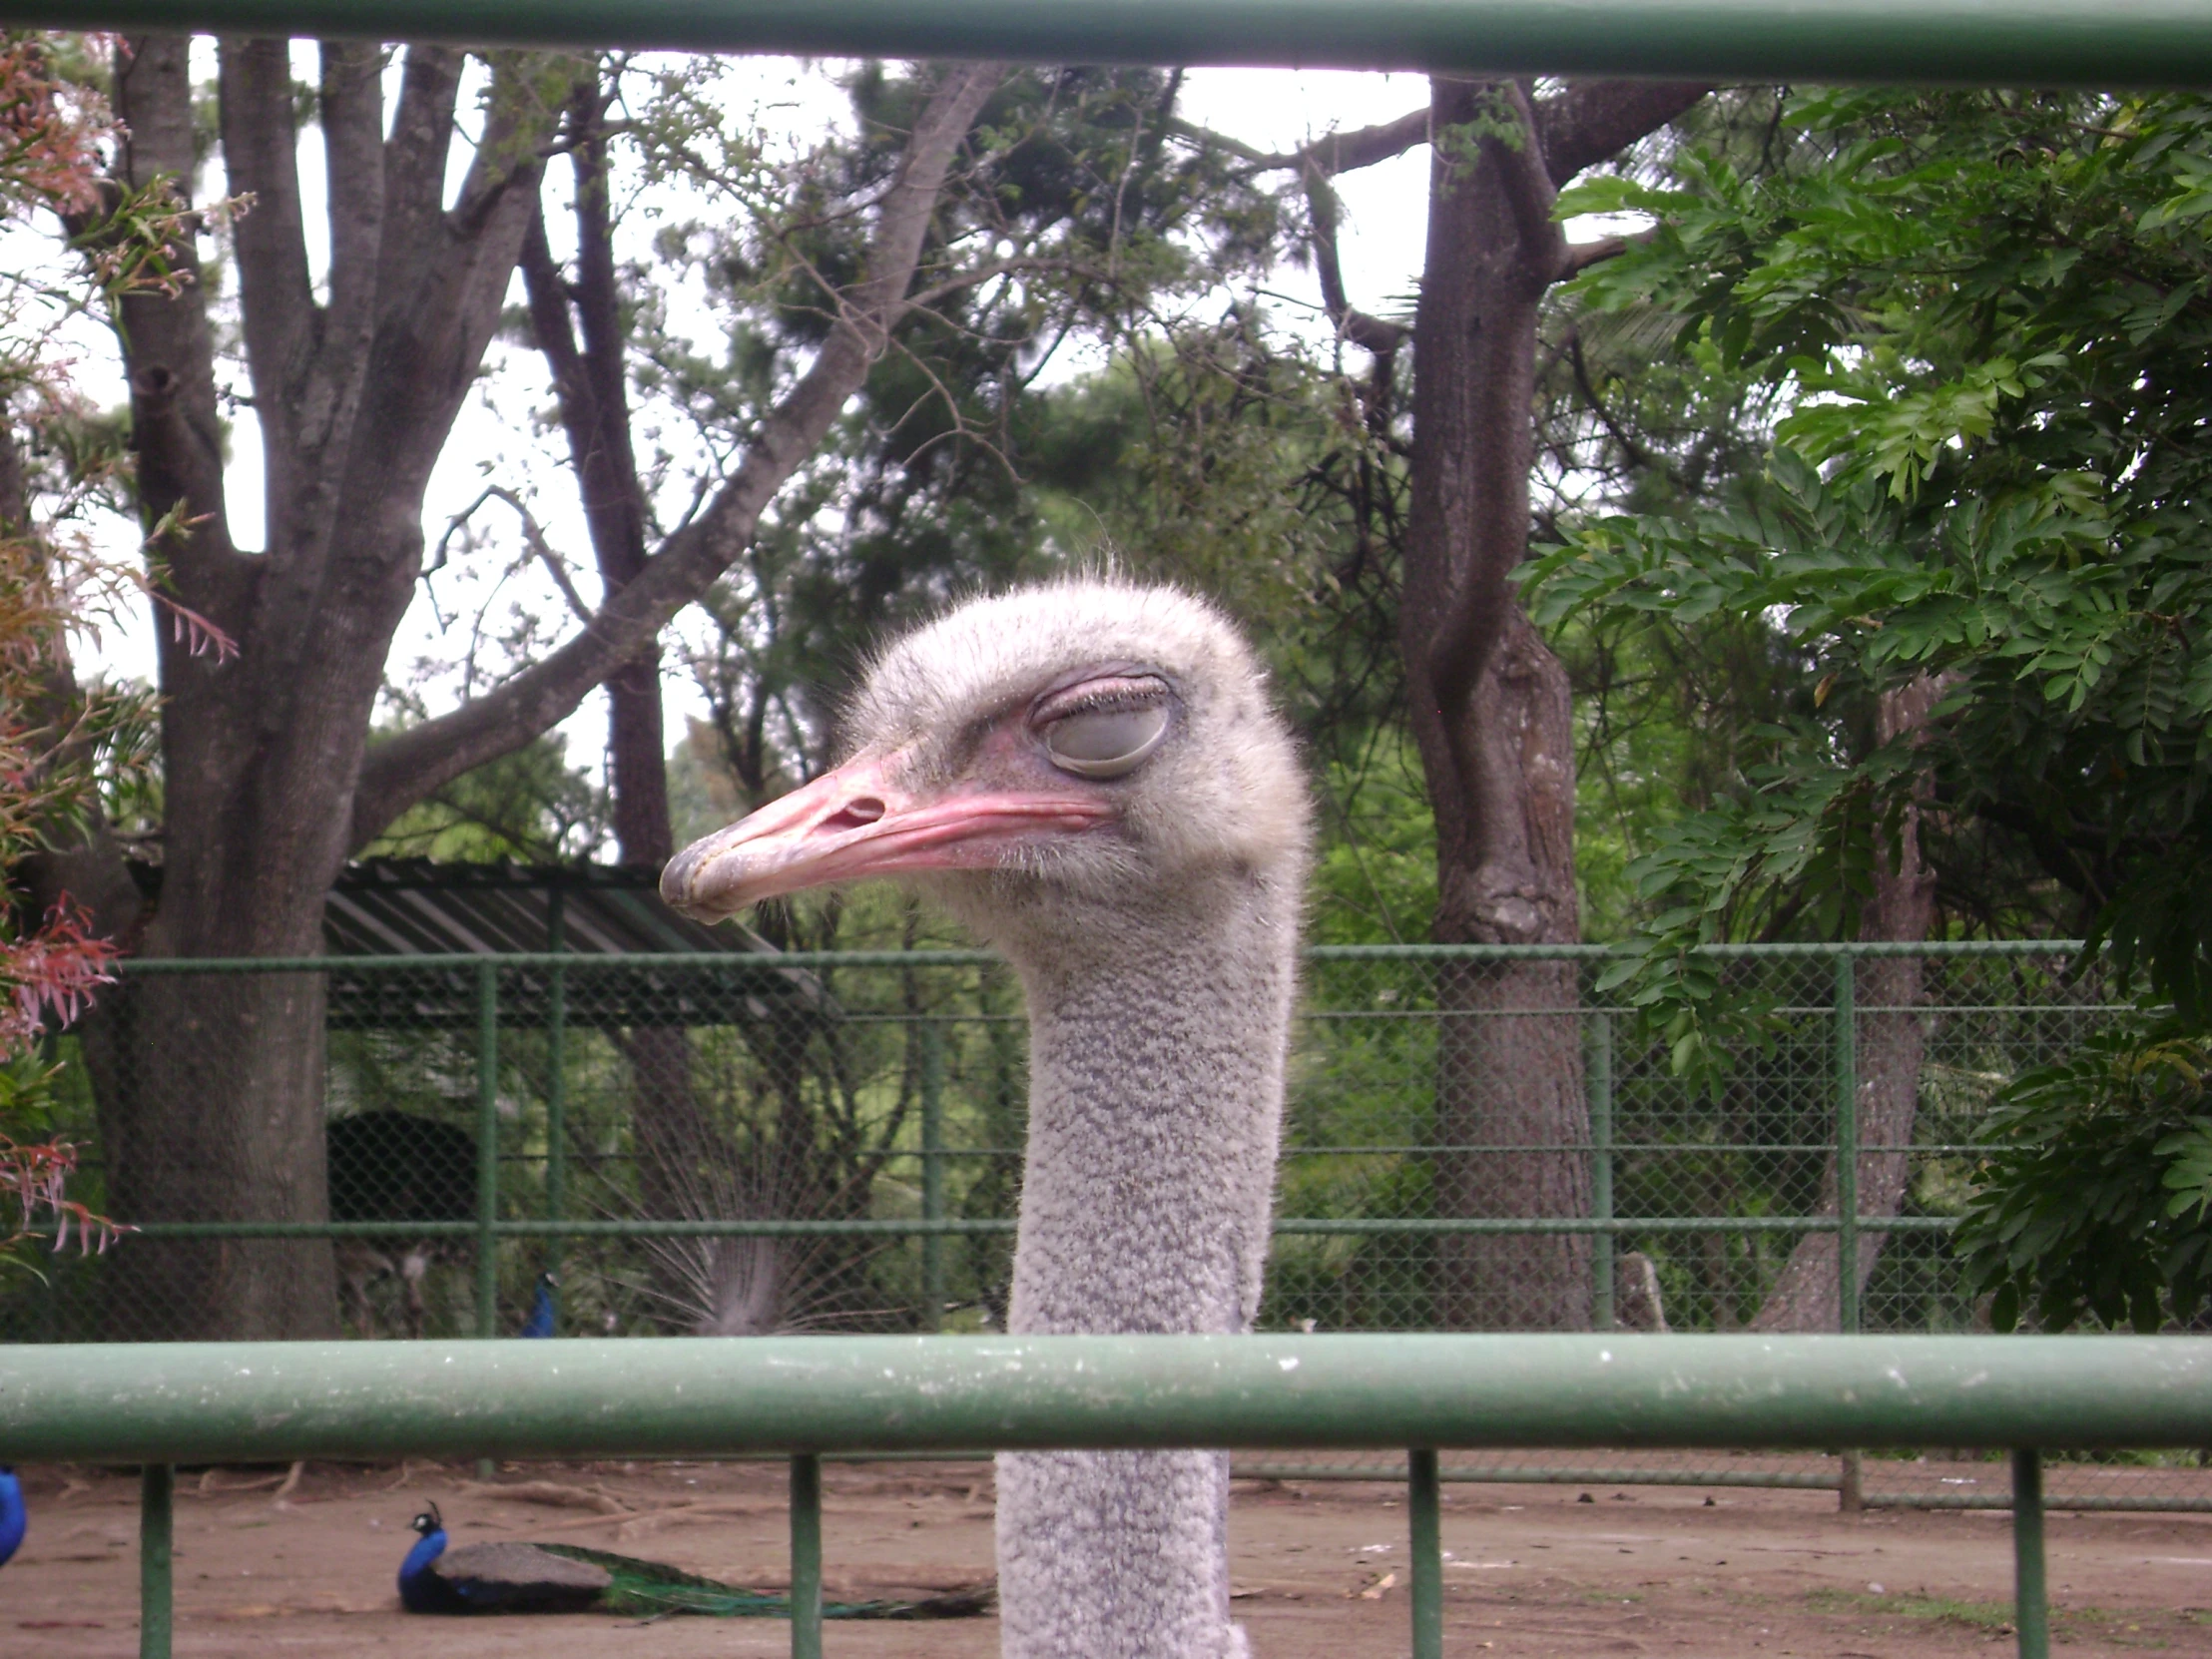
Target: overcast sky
(1382, 245)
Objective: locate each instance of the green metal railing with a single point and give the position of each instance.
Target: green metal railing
(933, 1224)
(522, 1059)
(2006, 42)
(161, 1404)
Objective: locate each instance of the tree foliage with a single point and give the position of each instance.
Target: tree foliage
(1983, 320)
(2094, 1197)
(1989, 314)
(1072, 224)
(57, 751)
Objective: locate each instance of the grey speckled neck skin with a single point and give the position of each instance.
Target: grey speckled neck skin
(1155, 1115)
(1091, 776)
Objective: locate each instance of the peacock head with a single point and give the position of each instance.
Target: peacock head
(428, 1521)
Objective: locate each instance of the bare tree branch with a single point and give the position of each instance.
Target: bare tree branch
(1333, 153)
(1592, 119)
(353, 170)
(591, 379)
(532, 532)
(1527, 182)
(414, 203)
(1372, 334)
(1637, 455)
(404, 770)
(260, 147)
(170, 358)
(441, 284)
(1580, 256)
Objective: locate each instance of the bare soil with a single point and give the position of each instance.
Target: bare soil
(1319, 1568)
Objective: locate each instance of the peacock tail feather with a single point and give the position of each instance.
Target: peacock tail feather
(648, 1589)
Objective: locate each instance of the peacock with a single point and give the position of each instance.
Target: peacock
(14, 1519)
(568, 1578)
(543, 1315)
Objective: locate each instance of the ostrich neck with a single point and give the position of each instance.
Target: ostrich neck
(1157, 1048)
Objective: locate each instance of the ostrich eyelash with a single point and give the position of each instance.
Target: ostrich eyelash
(1132, 691)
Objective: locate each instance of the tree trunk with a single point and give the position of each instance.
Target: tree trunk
(1891, 1036)
(1510, 1054)
(209, 1091)
(1489, 704)
(209, 1088)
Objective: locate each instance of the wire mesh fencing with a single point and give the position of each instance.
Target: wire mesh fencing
(1474, 1139)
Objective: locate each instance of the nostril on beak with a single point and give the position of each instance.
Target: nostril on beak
(853, 814)
(677, 875)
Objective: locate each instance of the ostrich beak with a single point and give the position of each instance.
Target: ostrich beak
(857, 822)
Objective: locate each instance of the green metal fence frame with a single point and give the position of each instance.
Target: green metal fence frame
(487, 1228)
(807, 1397)
(2156, 43)
(2044, 42)
(932, 1225)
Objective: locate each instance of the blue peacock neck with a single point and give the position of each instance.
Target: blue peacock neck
(14, 1518)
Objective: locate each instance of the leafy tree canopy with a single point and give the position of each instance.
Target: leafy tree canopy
(1987, 317)
(2096, 1187)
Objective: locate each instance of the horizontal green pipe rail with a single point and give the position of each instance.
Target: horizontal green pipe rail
(1538, 1475)
(987, 1226)
(734, 962)
(1575, 1474)
(1770, 1480)
(750, 963)
(1409, 1149)
(1416, 1149)
(195, 1402)
(2051, 42)
(1815, 951)
(2083, 1503)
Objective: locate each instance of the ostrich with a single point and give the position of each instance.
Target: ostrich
(1089, 776)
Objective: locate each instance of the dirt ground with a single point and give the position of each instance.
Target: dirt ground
(1318, 1569)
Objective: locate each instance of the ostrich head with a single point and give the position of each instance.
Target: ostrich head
(1090, 776)
(1064, 763)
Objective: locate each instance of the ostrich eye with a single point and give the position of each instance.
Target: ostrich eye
(1105, 729)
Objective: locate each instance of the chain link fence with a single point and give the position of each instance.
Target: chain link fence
(1474, 1139)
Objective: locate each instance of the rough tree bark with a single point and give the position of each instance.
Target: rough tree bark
(1489, 702)
(1892, 1038)
(209, 1087)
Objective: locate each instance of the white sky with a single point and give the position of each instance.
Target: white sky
(1382, 245)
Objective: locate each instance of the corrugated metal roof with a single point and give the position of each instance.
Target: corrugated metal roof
(389, 909)
(414, 907)
(393, 908)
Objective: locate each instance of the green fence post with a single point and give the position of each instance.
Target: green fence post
(2031, 1605)
(1602, 1247)
(156, 1485)
(1850, 1482)
(487, 1149)
(487, 1163)
(556, 1082)
(932, 1175)
(806, 1557)
(1425, 1516)
(1846, 1143)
